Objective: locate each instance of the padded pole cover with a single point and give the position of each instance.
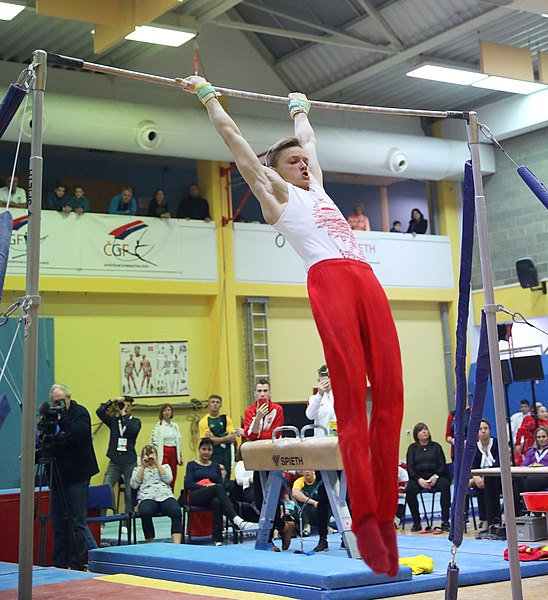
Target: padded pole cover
(534, 185)
(11, 102)
(6, 224)
(315, 453)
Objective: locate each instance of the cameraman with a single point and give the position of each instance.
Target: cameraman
(124, 428)
(72, 450)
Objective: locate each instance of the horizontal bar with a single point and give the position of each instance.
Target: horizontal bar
(77, 63)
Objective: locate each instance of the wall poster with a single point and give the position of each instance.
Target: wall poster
(154, 368)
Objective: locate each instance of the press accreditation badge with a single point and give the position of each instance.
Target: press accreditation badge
(122, 444)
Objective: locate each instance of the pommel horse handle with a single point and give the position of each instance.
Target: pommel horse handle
(284, 428)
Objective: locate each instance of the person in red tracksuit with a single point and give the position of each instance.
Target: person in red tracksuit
(349, 307)
(260, 420)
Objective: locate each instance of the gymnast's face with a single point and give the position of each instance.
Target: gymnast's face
(292, 166)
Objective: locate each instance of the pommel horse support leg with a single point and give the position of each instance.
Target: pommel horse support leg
(274, 457)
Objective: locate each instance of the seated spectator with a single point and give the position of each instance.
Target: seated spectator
(151, 480)
(79, 202)
(58, 199)
(204, 485)
(193, 206)
(536, 456)
(417, 223)
(396, 227)
(488, 489)
(305, 491)
(357, 220)
(158, 206)
(244, 479)
(525, 438)
(426, 469)
(17, 196)
(403, 478)
(517, 418)
(123, 203)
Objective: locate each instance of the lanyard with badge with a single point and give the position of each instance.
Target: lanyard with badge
(122, 441)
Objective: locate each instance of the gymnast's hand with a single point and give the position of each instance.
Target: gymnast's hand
(189, 83)
(297, 96)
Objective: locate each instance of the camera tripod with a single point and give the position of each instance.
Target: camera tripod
(54, 482)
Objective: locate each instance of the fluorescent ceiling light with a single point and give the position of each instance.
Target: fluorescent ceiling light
(8, 11)
(446, 74)
(159, 35)
(513, 86)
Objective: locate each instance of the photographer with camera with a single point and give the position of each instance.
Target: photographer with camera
(124, 429)
(65, 445)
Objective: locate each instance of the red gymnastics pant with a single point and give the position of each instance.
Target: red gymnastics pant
(170, 458)
(360, 342)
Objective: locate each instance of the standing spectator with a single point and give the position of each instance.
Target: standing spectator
(76, 462)
(260, 420)
(124, 428)
(517, 418)
(220, 430)
(158, 206)
(426, 468)
(525, 437)
(396, 227)
(166, 437)
(124, 203)
(417, 223)
(357, 220)
(17, 196)
(79, 202)
(193, 206)
(321, 410)
(58, 199)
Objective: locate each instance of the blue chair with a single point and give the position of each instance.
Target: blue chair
(101, 497)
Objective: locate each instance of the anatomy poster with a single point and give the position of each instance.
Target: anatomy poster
(154, 368)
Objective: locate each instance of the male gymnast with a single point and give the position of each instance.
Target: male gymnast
(350, 309)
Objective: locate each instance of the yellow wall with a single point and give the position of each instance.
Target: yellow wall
(421, 342)
(513, 298)
(88, 330)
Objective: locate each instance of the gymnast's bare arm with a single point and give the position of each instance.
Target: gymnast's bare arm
(305, 134)
(267, 186)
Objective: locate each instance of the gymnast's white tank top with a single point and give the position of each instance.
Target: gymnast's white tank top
(315, 227)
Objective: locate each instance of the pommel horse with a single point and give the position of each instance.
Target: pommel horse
(272, 457)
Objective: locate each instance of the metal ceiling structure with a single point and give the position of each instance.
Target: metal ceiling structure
(354, 51)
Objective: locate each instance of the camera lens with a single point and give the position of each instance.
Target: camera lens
(121, 404)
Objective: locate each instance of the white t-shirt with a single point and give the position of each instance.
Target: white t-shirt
(17, 197)
(315, 227)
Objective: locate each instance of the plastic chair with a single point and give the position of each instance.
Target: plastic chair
(101, 497)
(121, 492)
(206, 521)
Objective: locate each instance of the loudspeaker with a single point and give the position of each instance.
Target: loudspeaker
(527, 368)
(527, 273)
(506, 375)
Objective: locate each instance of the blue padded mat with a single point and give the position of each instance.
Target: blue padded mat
(9, 574)
(325, 576)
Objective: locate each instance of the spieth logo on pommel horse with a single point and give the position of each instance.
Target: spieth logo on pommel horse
(287, 461)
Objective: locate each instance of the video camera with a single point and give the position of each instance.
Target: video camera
(47, 426)
(118, 404)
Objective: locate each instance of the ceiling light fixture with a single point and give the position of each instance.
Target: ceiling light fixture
(161, 36)
(446, 74)
(8, 11)
(475, 79)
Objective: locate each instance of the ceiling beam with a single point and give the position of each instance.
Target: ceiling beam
(336, 32)
(309, 37)
(381, 22)
(222, 7)
(438, 40)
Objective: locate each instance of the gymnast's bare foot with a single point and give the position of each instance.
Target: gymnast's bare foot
(388, 532)
(371, 545)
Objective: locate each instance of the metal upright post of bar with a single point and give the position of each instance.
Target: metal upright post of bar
(30, 344)
(496, 371)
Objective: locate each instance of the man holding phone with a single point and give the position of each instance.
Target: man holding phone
(260, 420)
(321, 410)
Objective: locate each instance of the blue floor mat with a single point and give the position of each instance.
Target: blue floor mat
(329, 576)
(9, 574)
